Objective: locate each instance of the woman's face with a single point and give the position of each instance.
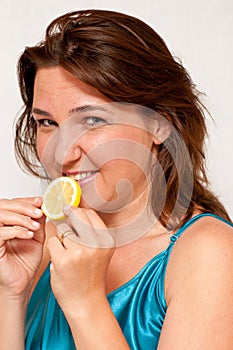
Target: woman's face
(102, 144)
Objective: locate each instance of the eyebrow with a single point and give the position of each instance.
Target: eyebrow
(87, 108)
(41, 112)
(84, 108)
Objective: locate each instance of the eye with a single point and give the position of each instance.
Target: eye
(46, 123)
(94, 121)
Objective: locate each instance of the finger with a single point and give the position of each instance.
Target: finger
(37, 201)
(86, 218)
(56, 250)
(95, 219)
(61, 258)
(26, 206)
(39, 235)
(7, 233)
(71, 232)
(63, 231)
(78, 221)
(90, 228)
(104, 236)
(8, 218)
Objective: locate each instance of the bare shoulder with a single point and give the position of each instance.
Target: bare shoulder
(208, 233)
(204, 247)
(199, 288)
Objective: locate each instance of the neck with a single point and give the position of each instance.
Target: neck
(132, 222)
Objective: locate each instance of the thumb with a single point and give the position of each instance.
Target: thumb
(39, 235)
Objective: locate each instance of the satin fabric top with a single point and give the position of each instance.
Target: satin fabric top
(139, 306)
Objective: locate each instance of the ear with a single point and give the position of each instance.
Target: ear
(161, 129)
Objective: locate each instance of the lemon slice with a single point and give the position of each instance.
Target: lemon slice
(60, 192)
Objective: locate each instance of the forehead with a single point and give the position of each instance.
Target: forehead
(56, 80)
(59, 94)
(54, 86)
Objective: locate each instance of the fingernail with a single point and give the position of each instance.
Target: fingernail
(66, 209)
(37, 211)
(37, 200)
(30, 233)
(35, 224)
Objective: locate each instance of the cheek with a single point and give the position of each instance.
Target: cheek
(41, 143)
(121, 175)
(39, 147)
(122, 169)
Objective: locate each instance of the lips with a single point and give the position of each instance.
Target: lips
(81, 176)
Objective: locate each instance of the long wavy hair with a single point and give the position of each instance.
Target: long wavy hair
(127, 61)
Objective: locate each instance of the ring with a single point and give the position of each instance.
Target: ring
(63, 235)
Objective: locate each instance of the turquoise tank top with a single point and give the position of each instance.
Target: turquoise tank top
(139, 306)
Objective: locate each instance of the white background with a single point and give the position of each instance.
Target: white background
(199, 32)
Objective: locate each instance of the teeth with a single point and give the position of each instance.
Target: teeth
(82, 176)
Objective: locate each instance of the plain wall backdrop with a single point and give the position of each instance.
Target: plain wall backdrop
(198, 32)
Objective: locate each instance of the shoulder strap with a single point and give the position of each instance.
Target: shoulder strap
(176, 235)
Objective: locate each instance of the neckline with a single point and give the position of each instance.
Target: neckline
(139, 273)
(173, 239)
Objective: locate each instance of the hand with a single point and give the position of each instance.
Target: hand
(21, 243)
(79, 265)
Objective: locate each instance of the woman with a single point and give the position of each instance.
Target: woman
(147, 262)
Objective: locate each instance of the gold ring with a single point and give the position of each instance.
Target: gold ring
(63, 235)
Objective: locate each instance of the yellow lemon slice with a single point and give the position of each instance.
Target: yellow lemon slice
(60, 192)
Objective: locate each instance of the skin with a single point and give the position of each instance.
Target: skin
(199, 279)
(56, 94)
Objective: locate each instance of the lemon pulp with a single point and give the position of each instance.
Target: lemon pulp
(60, 192)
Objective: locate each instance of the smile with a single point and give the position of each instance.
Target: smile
(83, 176)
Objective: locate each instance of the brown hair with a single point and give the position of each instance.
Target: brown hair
(127, 61)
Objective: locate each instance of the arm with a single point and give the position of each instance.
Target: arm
(12, 320)
(95, 327)
(21, 245)
(78, 273)
(199, 290)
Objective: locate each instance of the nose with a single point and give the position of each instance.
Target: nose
(66, 146)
